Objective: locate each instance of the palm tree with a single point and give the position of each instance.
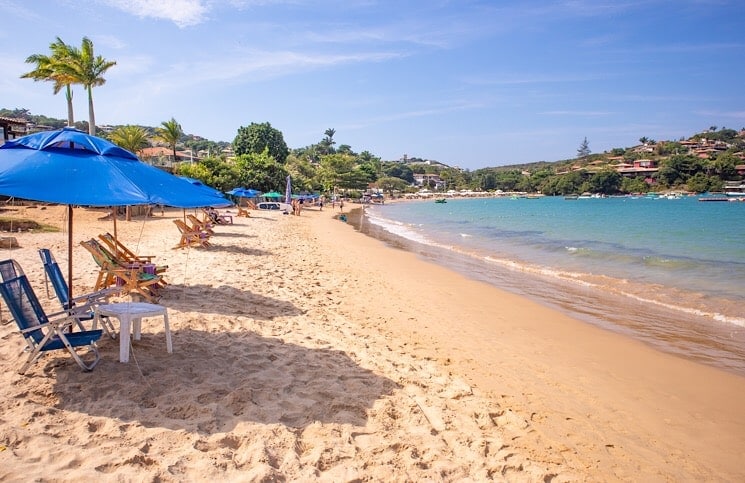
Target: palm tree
(50, 68)
(87, 69)
(328, 142)
(131, 138)
(170, 133)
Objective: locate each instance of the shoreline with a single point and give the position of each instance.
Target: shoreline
(604, 302)
(304, 349)
(576, 379)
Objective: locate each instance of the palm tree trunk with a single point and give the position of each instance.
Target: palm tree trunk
(70, 117)
(91, 116)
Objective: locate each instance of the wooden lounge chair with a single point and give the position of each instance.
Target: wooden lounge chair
(127, 256)
(44, 333)
(243, 212)
(201, 225)
(216, 217)
(132, 280)
(122, 262)
(191, 237)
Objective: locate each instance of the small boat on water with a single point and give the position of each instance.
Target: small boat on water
(441, 200)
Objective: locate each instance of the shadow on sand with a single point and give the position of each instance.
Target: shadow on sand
(215, 380)
(196, 298)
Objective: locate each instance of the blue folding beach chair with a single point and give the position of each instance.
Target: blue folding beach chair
(82, 306)
(43, 333)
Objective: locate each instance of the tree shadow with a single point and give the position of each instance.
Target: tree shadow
(215, 380)
(198, 298)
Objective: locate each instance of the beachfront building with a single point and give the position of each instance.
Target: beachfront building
(429, 181)
(162, 156)
(641, 167)
(12, 128)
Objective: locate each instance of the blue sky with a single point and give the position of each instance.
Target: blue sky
(467, 83)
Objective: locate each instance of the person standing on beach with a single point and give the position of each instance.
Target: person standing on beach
(341, 205)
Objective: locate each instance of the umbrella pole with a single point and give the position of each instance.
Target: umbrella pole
(69, 252)
(113, 215)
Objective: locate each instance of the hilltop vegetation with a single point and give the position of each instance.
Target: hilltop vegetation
(259, 158)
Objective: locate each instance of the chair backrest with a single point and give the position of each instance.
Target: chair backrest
(184, 228)
(98, 257)
(9, 269)
(24, 305)
(101, 256)
(113, 259)
(117, 248)
(211, 215)
(54, 274)
(198, 224)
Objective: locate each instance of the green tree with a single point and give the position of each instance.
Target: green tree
(566, 184)
(488, 182)
(86, 69)
(260, 171)
(606, 182)
(699, 183)
(677, 169)
(51, 69)
(201, 172)
(634, 185)
(509, 180)
(336, 170)
(327, 143)
(303, 173)
(399, 170)
(371, 164)
(390, 184)
(344, 149)
(668, 148)
(724, 166)
(131, 138)
(584, 149)
(170, 132)
(257, 137)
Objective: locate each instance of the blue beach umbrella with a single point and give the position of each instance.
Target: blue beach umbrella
(244, 192)
(209, 190)
(68, 166)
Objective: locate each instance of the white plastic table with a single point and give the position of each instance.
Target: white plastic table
(129, 313)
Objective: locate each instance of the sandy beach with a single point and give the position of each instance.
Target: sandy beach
(306, 351)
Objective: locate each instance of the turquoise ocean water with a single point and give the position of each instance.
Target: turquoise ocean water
(669, 272)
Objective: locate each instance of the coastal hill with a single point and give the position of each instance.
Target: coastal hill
(711, 160)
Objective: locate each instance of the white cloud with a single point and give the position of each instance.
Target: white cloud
(183, 13)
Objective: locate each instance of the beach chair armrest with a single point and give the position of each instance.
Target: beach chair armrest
(94, 297)
(57, 324)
